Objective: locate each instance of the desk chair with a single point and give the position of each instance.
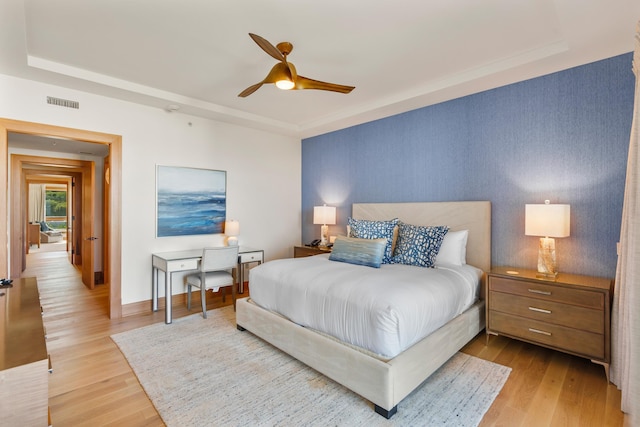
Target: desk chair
(214, 273)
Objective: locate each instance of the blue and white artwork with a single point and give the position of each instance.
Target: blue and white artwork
(190, 201)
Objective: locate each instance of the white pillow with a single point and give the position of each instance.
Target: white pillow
(453, 249)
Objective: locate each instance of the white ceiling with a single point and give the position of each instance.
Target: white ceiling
(400, 55)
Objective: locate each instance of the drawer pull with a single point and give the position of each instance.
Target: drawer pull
(537, 291)
(538, 331)
(540, 310)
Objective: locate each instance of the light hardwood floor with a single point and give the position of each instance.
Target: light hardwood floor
(93, 385)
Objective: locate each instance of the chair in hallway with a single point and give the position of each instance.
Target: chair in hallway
(217, 270)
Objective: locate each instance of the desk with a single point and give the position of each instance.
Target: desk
(173, 262)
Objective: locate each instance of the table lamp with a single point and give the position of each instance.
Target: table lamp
(232, 230)
(548, 221)
(324, 215)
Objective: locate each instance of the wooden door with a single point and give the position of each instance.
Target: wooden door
(70, 219)
(76, 223)
(88, 241)
(106, 219)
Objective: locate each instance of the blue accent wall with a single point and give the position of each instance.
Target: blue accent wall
(562, 137)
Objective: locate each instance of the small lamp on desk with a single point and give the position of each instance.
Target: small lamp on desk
(232, 230)
(324, 215)
(547, 221)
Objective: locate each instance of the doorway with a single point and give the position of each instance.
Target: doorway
(12, 211)
(50, 199)
(46, 170)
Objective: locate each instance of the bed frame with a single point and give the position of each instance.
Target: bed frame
(386, 383)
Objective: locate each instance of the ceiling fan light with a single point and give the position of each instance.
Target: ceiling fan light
(284, 84)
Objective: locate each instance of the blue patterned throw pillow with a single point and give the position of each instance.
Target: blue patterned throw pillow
(366, 229)
(358, 251)
(418, 245)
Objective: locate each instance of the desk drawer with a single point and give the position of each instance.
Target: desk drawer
(543, 291)
(182, 265)
(251, 257)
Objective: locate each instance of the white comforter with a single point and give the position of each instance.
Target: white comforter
(384, 310)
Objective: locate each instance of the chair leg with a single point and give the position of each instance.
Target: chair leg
(224, 293)
(189, 297)
(233, 296)
(203, 299)
(233, 288)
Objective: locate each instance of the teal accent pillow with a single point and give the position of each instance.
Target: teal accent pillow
(418, 245)
(366, 252)
(367, 229)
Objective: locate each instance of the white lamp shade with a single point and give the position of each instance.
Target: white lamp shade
(547, 220)
(324, 215)
(232, 228)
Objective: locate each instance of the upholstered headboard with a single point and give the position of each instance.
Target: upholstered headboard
(472, 216)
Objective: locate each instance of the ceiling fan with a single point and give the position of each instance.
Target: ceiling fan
(284, 74)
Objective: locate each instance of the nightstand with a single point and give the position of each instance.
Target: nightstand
(569, 314)
(302, 251)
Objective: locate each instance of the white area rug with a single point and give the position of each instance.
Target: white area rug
(201, 372)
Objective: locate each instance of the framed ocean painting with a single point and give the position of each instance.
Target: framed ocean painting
(190, 201)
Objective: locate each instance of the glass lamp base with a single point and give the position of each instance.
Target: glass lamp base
(547, 266)
(324, 235)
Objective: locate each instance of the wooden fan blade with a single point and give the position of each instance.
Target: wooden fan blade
(267, 47)
(248, 91)
(307, 83)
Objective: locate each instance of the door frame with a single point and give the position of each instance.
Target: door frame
(114, 212)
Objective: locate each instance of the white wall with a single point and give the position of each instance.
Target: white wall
(263, 172)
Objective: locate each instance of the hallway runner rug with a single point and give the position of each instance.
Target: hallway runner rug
(201, 372)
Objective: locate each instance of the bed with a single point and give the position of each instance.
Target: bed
(381, 380)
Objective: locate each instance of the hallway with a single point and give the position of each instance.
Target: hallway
(48, 247)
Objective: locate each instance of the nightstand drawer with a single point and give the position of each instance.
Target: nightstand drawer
(586, 319)
(543, 291)
(304, 251)
(582, 343)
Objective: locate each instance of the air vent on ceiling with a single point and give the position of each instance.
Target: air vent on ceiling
(63, 102)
